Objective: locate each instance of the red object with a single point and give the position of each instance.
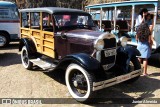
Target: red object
(46, 18)
(66, 17)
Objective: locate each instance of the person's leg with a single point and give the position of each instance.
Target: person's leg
(145, 63)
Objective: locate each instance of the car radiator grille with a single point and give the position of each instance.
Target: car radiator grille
(108, 55)
(107, 60)
(109, 43)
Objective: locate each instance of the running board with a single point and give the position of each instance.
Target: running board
(43, 64)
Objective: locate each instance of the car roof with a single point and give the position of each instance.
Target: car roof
(7, 4)
(123, 3)
(53, 10)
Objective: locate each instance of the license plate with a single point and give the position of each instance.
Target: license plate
(108, 53)
(123, 78)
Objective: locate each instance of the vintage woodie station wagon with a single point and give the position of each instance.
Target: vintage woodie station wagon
(66, 39)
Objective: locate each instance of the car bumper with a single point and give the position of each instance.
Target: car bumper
(116, 80)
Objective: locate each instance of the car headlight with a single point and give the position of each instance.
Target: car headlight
(99, 44)
(123, 41)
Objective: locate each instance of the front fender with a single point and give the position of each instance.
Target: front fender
(129, 51)
(89, 63)
(132, 51)
(124, 56)
(29, 45)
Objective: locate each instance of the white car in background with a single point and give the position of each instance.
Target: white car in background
(9, 23)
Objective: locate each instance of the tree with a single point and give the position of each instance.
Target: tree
(49, 3)
(78, 4)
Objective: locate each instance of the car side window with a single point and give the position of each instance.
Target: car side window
(35, 20)
(47, 22)
(25, 20)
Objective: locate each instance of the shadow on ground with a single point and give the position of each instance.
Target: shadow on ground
(155, 75)
(141, 89)
(10, 46)
(57, 75)
(7, 59)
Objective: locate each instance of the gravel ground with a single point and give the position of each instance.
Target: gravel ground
(17, 82)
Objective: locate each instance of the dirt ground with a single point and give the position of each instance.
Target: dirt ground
(17, 82)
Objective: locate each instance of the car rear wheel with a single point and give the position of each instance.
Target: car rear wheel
(25, 58)
(79, 83)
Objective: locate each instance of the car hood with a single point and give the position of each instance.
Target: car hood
(83, 33)
(78, 41)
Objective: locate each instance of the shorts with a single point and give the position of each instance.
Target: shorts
(144, 49)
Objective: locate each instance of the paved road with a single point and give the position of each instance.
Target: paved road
(17, 82)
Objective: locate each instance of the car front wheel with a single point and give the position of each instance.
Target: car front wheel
(134, 65)
(79, 83)
(25, 59)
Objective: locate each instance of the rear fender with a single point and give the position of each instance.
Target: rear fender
(29, 45)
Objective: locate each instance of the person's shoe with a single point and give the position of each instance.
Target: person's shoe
(146, 74)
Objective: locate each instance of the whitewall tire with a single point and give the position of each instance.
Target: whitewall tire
(79, 83)
(25, 58)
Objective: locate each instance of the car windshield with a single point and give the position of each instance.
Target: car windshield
(68, 20)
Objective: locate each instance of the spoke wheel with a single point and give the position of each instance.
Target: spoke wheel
(79, 83)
